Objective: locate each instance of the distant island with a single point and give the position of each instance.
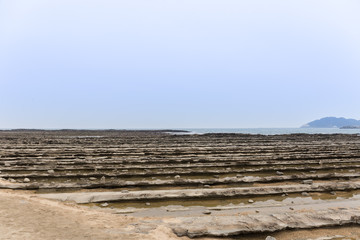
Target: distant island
(334, 122)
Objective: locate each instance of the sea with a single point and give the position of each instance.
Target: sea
(271, 131)
(262, 131)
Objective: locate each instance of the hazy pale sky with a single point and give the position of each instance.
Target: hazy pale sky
(177, 63)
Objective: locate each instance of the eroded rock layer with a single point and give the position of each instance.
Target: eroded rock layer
(125, 166)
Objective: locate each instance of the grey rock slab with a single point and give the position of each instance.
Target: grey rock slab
(88, 197)
(126, 211)
(11, 180)
(157, 182)
(270, 238)
(331, 238)
(226, 226)
(308, 181)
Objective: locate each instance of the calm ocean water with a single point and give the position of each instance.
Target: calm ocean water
(263, 131)
(273, 131)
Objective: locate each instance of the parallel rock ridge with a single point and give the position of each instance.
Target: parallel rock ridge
(93, 197)
(69, 159)
(126, 166)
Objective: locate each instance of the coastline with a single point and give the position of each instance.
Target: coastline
(157, 184)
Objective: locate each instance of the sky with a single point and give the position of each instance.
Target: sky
(177, 63)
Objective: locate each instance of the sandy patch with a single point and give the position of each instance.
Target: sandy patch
(24, 216)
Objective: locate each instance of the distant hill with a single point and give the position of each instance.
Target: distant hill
(333, 122)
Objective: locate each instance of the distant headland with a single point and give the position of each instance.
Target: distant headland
(334, 122)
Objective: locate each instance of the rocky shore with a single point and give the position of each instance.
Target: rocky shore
(178, 180)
